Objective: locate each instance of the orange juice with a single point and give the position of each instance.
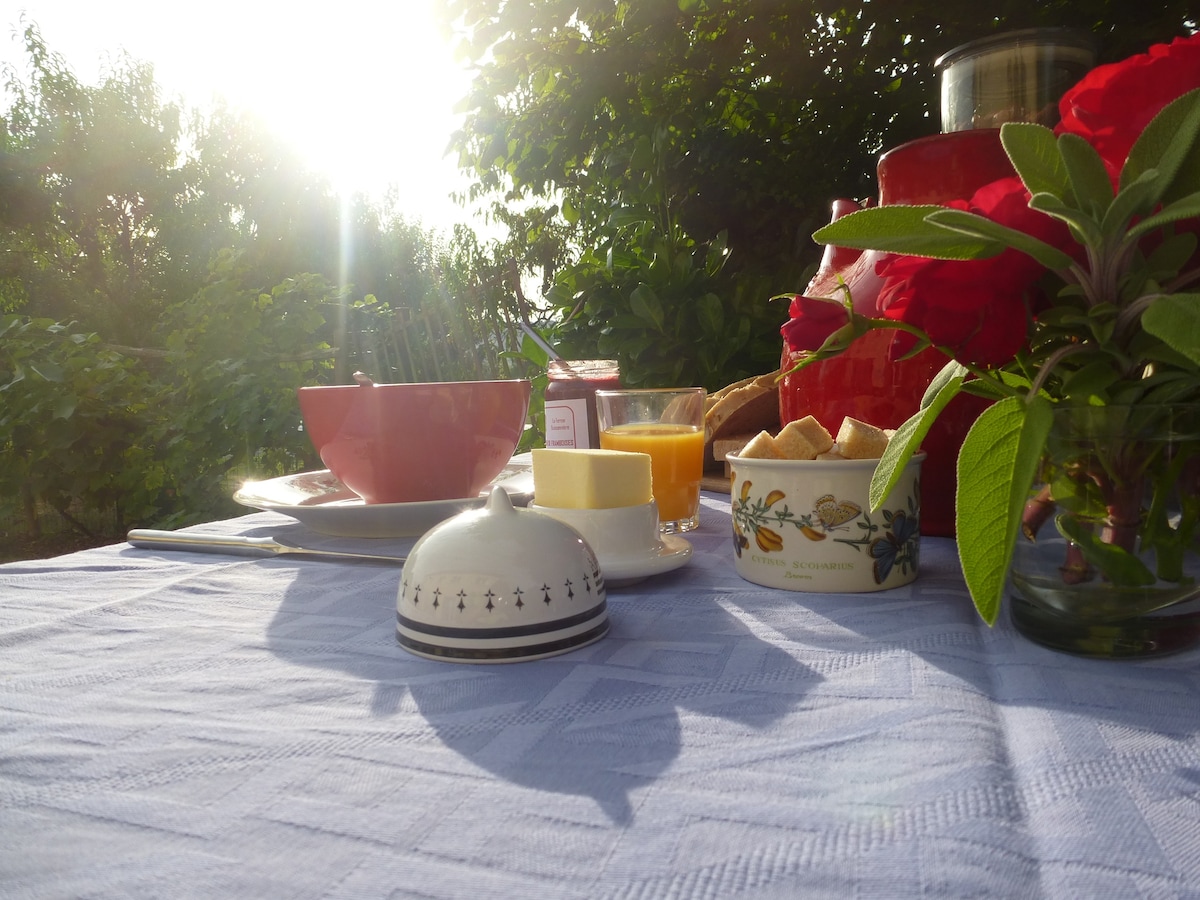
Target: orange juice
(676, 464)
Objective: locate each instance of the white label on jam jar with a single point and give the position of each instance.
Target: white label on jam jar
(567, 424)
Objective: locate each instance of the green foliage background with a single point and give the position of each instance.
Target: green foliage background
(693, 146)
(168, 278)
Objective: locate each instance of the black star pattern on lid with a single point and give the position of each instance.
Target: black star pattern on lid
(517, 593)
(490, 605)
(462, 594)
(546, 594)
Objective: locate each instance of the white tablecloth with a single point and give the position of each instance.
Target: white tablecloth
(184, 725)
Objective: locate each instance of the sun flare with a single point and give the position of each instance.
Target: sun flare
(364, 92)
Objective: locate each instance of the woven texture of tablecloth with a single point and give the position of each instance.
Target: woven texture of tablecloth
(184, 725)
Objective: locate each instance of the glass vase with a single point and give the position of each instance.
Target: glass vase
(1107, 563)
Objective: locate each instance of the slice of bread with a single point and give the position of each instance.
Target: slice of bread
(744, 407)
(714, 397)
(724, 446)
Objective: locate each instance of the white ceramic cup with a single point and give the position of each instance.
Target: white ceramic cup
(623, 532)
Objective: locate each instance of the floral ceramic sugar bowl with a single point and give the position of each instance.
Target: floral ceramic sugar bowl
(499, 584)
(807, 525)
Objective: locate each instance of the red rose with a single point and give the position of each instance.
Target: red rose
(813, 320)
(978, 308)
(968, 307)
(1113, 103)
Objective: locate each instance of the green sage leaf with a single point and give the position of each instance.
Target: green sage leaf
(905, 229)
(986, 230)
(907, 441)
(1184, 208)
(996, 467)
(1034, 154)
(1085, 227)
(951, 370)
(983, 388)
(1136, 199)
(1175, 319)
(1169, 257)
(1169, 144)
(1089, 178)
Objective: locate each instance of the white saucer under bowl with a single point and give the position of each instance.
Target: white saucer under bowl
(321, 502)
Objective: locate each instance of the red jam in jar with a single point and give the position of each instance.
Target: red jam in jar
(571, 400)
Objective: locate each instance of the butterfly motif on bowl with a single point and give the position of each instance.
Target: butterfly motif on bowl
(833, 514)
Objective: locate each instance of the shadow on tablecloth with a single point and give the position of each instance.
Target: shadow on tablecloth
(601, 721)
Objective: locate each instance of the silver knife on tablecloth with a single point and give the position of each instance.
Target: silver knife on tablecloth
(239, 545)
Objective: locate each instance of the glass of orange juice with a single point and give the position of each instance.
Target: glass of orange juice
(668, 424)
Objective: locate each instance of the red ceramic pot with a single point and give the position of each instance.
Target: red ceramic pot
(942, 167)
(403, 443)
(861, 382)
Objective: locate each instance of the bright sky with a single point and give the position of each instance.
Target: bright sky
(364, 89)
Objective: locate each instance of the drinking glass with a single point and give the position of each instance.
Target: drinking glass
(668, 424)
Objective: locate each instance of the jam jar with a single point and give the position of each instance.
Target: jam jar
(571, 400)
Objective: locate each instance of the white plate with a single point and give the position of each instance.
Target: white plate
(672, 553)
(321, 502)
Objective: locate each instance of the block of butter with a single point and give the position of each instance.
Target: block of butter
(590, 479)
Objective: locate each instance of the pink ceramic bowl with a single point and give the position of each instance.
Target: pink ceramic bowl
(404, 443)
